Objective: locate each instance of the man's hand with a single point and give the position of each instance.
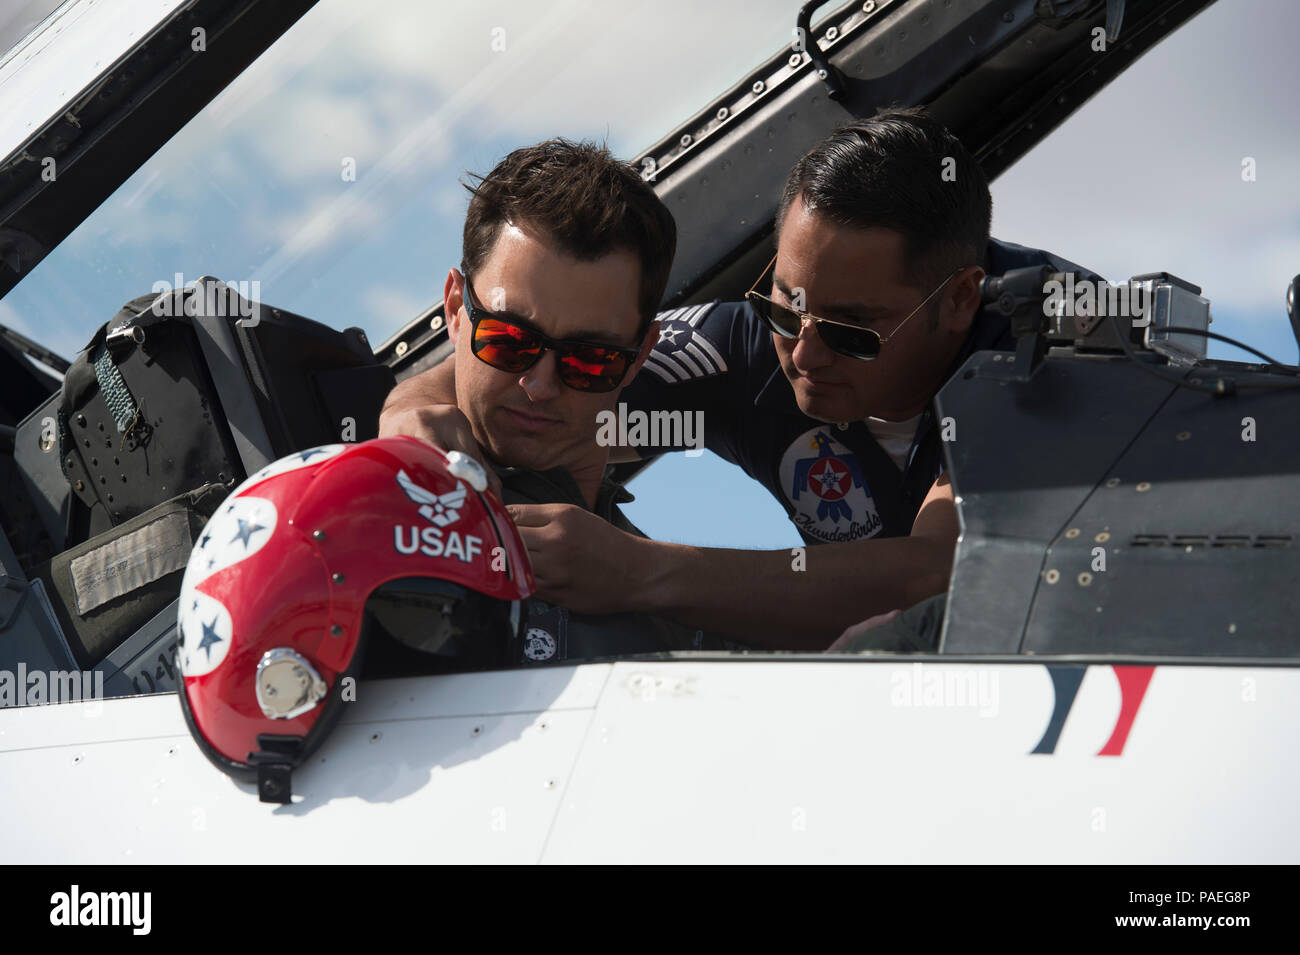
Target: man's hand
(846, 638)
(443, 426)
(761, 598)
(580, 561)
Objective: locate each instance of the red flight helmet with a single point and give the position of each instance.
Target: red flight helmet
(278, 586)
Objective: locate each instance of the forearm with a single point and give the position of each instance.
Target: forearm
(435, 386)
(789, 600)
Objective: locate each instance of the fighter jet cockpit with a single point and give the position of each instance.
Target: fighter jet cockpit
(650, 431)
(236, 242)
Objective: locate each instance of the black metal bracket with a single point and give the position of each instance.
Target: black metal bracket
(1019, 295)
(274, 763)
(826, 71)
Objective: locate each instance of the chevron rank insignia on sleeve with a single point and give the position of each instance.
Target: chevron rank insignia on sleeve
(683, 351)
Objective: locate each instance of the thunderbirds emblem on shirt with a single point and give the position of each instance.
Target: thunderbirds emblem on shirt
(827, 490)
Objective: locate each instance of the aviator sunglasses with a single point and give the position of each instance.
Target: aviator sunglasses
(508, 345)
(842, 338)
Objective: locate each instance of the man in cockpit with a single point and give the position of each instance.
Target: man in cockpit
(565, 256)
(819, 385)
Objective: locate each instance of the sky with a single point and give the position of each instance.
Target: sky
(1145, 177)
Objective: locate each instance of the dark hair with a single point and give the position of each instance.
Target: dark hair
(588, 202)
(888, 171)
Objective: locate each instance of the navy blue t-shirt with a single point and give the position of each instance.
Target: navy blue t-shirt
(835, 481)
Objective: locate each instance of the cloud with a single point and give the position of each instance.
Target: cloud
(397, 307)
(10, 318)
(1148, 175)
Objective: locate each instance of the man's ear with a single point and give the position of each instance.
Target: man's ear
(647, 346)
(961, 300)
(452, 300)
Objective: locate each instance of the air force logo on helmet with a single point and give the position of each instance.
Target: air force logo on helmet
(442, 510)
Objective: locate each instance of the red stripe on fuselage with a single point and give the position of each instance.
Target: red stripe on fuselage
(1133, 682)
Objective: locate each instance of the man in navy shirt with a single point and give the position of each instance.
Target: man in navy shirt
(819, 386)
(838, 481)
